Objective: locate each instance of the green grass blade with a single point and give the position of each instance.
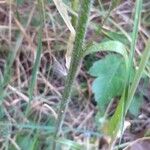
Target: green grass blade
(41, 8)
(144, 60)
(39, 51)
(35, 67)
(118, 118)
(114, 125)
(137, 17)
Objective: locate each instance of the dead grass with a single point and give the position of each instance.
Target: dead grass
(18, 32)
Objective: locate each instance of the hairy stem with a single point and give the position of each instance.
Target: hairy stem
(75, 63)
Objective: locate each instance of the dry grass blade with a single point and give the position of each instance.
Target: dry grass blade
(64, 14)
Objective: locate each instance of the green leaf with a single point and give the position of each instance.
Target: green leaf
(136, 103)
(115, 125)
(20, 2)
(110, 46)
(110, 75)
(26, 142)
(116, 36)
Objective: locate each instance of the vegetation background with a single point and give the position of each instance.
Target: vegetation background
(101, 102)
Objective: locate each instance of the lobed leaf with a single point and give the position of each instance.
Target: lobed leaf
(110, 79)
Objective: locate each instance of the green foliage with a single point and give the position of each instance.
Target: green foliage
(35, 67)
(136, 103)
(20, 2)
(110, 79)
(114, 126)
(27, 142)
(137, 16)
(108, 46)
(145, 86)
(113, 75)
(65, 1)
(116, 36)
(117, 121)
(144, 59)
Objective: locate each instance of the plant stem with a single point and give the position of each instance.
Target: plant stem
(75, 63)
